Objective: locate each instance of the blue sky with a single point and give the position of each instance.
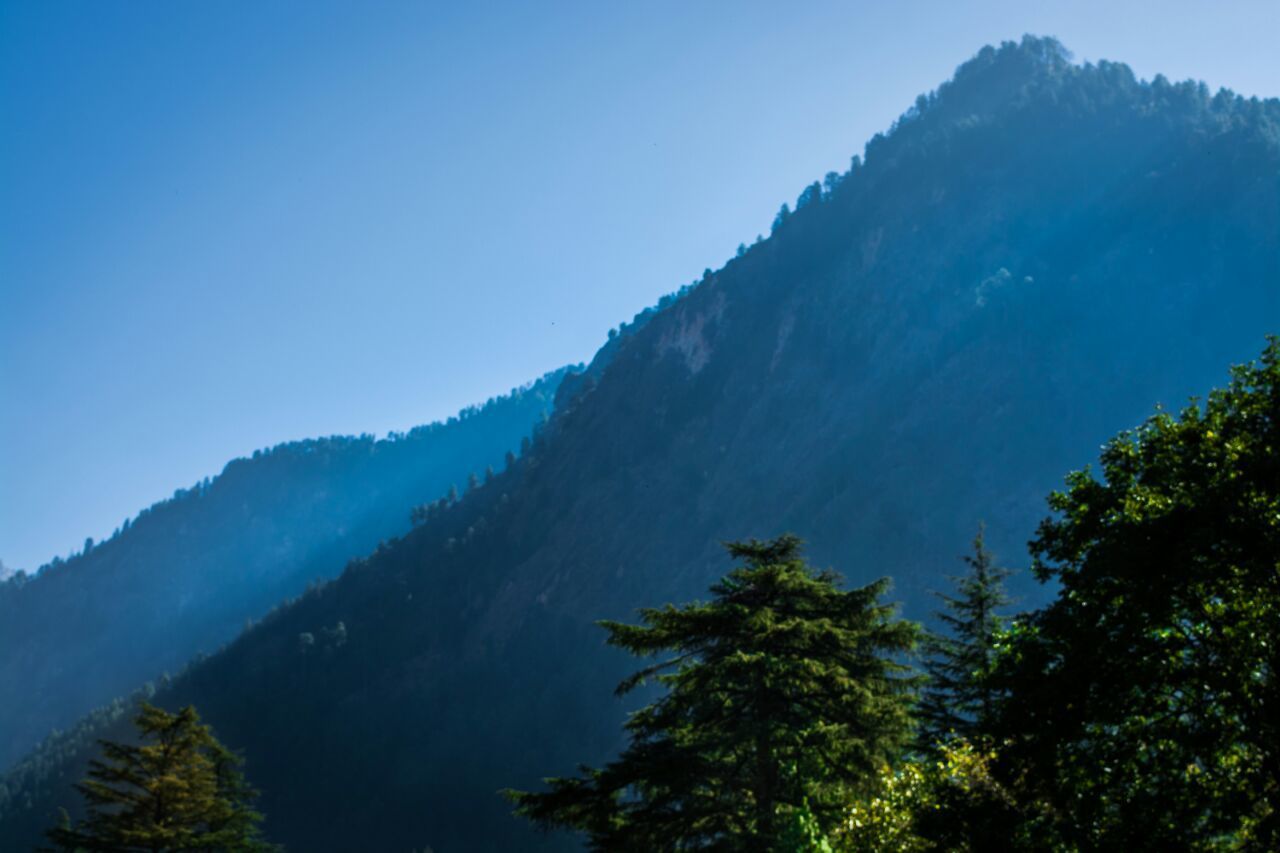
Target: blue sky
(226, 225)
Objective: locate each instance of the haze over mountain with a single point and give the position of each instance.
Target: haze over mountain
(1034, 256)
(185, 575)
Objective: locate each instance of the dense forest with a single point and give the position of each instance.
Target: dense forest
(1133, 712)
(185, 575)
(1030, 259)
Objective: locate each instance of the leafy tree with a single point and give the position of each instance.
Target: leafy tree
(886, 819)
(802, 834)
(783, 698)
(959, 699)
(950, 801)
(1143, 700)
(181, 790)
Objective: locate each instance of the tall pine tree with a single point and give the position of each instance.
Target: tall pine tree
(783, 697)
(959, 700)
(181, 790)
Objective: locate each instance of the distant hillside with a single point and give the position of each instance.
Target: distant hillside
(1036, 254)
(185, 575)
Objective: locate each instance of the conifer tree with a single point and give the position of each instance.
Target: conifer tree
(180, 790)
(959, 700)
(783, 699)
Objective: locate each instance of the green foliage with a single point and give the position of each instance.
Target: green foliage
(949, 801)
(181, 790)
(782, 701)
(968, 807)
(886, 819)
(1143, 700)
(959, 700)
(839, 379)
(48, 771)
(801, 833)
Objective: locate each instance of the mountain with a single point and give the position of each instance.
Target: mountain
(1032, 257)
(185, 575)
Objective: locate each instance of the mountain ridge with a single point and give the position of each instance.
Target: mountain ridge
(1023, 266)
(185, 574)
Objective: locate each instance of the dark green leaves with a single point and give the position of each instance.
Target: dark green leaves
(1144, 700)
(783, 700)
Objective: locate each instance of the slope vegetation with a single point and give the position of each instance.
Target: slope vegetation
(1034, 255)
(185, 575)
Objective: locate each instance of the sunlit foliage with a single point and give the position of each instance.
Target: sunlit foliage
(179, 790)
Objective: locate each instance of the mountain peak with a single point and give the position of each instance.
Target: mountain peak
(1034, 256)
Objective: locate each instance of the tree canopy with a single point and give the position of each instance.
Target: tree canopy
(180, 790)
(1143, 701)
(960, 699)
(783, 695)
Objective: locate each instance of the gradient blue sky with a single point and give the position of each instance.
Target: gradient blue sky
(225, 225)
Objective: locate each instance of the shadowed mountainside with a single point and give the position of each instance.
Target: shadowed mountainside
(185, 575)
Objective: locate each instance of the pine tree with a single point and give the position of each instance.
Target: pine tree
(180, 790)
(783, 699)
(959, 700)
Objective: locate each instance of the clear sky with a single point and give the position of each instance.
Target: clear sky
(228, 224)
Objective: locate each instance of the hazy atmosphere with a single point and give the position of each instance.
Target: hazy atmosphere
(226, 226)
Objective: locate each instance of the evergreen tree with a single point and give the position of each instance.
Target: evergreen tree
(783, 700)
(784, 214)
(181, 790)
(811, 195)
(959, 700)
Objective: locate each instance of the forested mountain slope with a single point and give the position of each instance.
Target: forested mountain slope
(185, 575)
(1034, 256)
